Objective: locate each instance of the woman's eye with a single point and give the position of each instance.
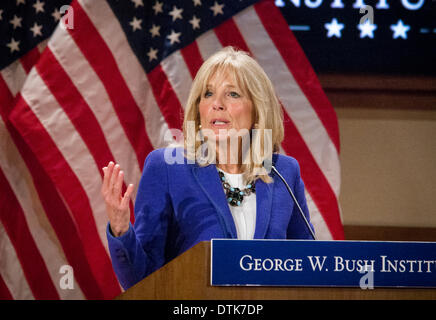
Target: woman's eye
(207, 93)
(234, 94)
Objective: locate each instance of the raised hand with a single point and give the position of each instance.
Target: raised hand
(117, 206)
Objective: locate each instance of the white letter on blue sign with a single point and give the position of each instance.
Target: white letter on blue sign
(317, 264)
(250, 264)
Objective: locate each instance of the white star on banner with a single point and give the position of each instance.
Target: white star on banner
(195, 22)
(367, 29)
(155, 31)
(152, 54)
(13, 45)
(16, 21)
(176, 13)
(197, 3)
(39, 6)
(1, 12)
(217, 9)
(174, 37)
(21, 1)
(157, 7)
(36, 29)
(138, 3)
(400, 30)
(56, 15)
(334, 28)
(136, 24)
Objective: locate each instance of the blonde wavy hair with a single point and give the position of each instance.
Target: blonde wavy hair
(267, 112)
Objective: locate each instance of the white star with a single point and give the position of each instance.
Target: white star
(157, 7)
(36, 29)
(400, 30)
(334, 28)
(176, 13)
(39, 6)
(56, 15)
(367, 29)
(155, 31)
(174, 37)
(138, 3)
(16, 21)
(1, 12)
(21, 1)
(13, 45)
(195, 22)
(197, 3)
(217, 8)
(152, 54)
(136, 24)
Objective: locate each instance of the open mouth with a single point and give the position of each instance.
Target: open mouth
(219, 122)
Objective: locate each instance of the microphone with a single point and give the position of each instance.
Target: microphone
(296, 202)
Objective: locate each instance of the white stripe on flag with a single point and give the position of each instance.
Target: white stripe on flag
(208, 44)
(41, 46)
(294, 101)
(322, 232)
(178, 75)
(10, 269)
(14, 76)
(68, 141)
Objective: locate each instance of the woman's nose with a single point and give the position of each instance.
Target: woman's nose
(218, 104)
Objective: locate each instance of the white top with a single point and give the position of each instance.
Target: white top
(245, 214)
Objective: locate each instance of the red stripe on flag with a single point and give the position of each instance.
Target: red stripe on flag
(315, 181)
(5, 294)
(299, 66)
(71, 189)
(60, 219)
(166, 98)
(192, 56)
(33, 264)
(29, 59)
(102, 61)
(229, 35)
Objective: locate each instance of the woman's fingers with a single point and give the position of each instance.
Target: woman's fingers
(114, 178)
(126, 198)
(107, 177)
(117, 206)
(118, 185)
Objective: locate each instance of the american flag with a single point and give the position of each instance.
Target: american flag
(106, 84)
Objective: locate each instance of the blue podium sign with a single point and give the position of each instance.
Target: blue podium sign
(364, 264)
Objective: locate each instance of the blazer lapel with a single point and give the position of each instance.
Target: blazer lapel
(209, 181)
(263, 208)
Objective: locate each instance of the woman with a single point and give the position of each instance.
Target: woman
(221, 190)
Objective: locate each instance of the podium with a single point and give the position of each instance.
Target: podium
(187, 277)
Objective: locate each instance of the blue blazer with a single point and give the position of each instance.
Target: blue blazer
(179, 205)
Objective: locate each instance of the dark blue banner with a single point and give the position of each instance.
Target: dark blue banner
(365, 264)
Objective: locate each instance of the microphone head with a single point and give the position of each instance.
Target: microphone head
(268, 165)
